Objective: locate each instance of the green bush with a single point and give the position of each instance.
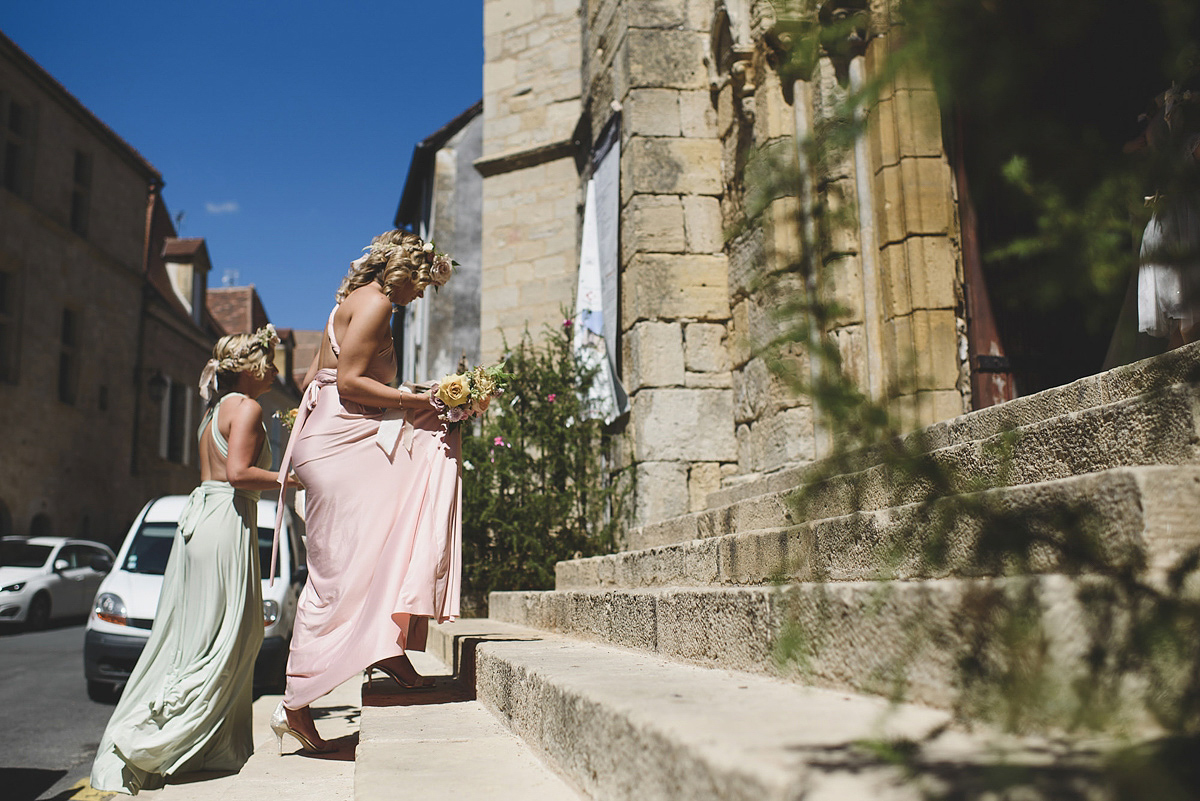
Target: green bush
(536, 485)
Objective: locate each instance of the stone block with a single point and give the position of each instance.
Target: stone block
(889, 206)
(881, 135)
(704, 348)
(661, 491)
(671, 167)
(781, 227)
(703, 478)
(935, 341)
(918, 123)
(702, 224)
(738, 340)
(773, 119)
(894, 280)
(933, 272)
(697, 114)
(653, 355)
(841, 214)
(708, 380)
(651, 112)
(781, 439)
(725, 111)
(653, 224)
(899, 358)
(841, 284)
(913, 197)
(667, 59)
(747, 262)
(751, 391)
(670, 287)
(851, 345)
(684, 424)
(938, 405)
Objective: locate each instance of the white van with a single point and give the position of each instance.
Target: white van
(123, 611)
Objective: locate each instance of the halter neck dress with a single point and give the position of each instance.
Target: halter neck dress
(187, 705)
(382, 511)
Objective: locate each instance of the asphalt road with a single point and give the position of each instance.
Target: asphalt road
(49, 728)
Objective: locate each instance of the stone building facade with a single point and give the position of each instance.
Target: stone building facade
(91, 334)
(695, 88)
(104, 320)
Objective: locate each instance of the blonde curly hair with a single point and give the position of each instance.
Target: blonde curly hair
(238, 353)
(394, 257)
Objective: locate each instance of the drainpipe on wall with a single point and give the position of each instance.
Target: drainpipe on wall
(868, 242)
(140, 347)
(801, 104)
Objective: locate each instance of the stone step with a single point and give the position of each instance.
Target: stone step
(442, 744)
(1159, 427)
(898, 638)
(1152, 512)
(1180, 366)
(626, 725)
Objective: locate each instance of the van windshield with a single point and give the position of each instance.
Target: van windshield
(150, 549)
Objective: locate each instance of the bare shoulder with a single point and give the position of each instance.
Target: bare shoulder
(245, 408)
(367, 304)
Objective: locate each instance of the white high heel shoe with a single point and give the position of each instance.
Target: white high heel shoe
(280, 725)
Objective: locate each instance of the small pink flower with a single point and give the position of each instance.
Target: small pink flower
(567, 323)
(551, 397)
(498, 441)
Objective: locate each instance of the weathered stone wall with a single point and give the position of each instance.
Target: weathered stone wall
(697, 88)
(71, 461)
(531, 185)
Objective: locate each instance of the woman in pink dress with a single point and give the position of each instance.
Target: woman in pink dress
(382, 475)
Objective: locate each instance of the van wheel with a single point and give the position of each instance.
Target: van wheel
(38, 616)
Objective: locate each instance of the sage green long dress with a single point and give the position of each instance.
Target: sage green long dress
(187, 706)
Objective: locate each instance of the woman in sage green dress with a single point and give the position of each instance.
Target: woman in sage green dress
(187, 705)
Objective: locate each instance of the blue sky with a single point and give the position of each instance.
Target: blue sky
(283, 130)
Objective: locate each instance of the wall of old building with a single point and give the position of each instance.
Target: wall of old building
(531, 191)
(68, 460)
(698, 92)
(88, 321)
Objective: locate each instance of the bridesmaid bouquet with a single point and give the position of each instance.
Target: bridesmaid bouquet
(466, 394)
(287, 417)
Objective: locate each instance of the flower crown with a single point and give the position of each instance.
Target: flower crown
(264, 338)
(441, 266)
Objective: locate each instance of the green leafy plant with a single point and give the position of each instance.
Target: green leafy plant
(537, 487)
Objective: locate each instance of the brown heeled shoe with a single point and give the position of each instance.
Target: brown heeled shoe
(422, 683)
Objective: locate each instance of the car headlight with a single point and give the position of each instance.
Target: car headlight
(20, 585)
(110, 608)
(270, 612)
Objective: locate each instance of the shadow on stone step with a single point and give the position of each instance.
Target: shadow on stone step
(463, 651)
(386, 692)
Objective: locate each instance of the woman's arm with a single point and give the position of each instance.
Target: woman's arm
(245, 441)
(368, 333)
(312, 368)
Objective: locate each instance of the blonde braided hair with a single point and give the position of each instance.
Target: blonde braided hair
(393, 258)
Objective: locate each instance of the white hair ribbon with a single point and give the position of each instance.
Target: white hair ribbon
(208, 380)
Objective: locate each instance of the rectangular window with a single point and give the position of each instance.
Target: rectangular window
(175, 421)
(68, 358)
(176, 431)
(16, 134)
(81, 193)
(9, 347)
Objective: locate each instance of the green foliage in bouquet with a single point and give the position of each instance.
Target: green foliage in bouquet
(536, 486)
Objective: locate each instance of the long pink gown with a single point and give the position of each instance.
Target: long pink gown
(384, 534)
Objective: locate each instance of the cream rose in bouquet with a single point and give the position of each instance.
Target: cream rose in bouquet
(466, 394)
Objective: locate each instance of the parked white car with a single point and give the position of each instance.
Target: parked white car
(123, 612)
(44, 578)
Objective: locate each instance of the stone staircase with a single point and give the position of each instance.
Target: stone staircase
(749, 650)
